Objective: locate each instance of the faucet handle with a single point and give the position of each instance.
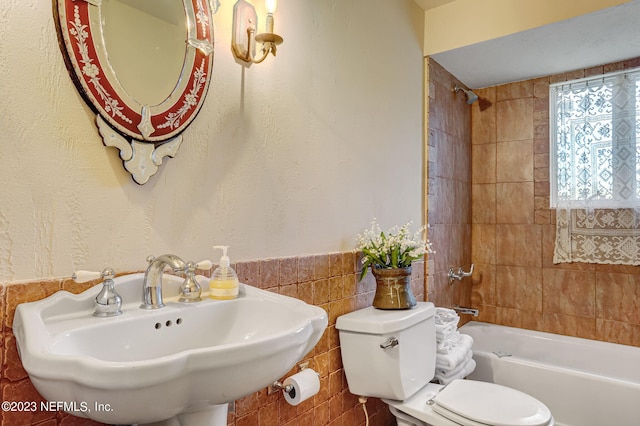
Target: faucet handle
(460, 274)
(204, 264)
(83, 276)
(190, 289)
(108, 302)
(466, 274)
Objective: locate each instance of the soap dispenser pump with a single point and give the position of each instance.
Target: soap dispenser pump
(224, 281)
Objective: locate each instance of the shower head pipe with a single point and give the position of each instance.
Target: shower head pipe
(471, 97)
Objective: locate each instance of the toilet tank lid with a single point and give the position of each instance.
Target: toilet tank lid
(381, 321)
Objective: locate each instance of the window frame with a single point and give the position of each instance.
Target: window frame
(553, 133)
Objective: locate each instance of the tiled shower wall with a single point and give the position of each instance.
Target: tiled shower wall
(448, 186)
(327, 280)
(513, 229)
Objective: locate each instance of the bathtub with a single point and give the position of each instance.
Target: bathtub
(583, 382)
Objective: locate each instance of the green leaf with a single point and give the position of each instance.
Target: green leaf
(372, 257)
(394, 257)
(365, 268)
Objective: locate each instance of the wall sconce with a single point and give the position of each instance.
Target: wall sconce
(244, 38)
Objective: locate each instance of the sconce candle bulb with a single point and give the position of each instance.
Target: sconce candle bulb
(269, 25)
(271, 5)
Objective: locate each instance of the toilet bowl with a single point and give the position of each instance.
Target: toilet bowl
(390, 354)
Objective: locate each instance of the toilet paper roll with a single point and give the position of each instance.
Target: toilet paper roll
(304, 385)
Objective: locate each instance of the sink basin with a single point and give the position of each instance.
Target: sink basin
(148, 366)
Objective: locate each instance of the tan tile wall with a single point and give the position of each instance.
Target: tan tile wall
(513, 228)
(328, 280)
(449, 195)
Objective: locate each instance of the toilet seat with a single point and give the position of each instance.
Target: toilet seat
(474, 403)
(490, 404)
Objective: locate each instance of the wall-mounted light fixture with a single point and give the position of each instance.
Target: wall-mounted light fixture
(244, 38)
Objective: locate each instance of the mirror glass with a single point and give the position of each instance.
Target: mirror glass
(144, 67)
(144, 35)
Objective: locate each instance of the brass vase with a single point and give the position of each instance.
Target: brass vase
(393, 288)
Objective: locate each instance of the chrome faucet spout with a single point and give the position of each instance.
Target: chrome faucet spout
(152, 283)
(466, 311)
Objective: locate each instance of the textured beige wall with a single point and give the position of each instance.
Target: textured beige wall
(293, 156)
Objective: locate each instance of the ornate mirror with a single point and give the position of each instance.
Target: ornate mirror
(143, 66)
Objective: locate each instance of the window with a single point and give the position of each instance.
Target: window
(595, 168)
(595, 129)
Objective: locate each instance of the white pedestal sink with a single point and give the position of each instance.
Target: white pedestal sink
(179, 365)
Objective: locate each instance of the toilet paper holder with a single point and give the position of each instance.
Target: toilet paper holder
(278, 386)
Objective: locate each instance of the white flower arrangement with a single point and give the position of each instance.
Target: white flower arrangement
(394, 249)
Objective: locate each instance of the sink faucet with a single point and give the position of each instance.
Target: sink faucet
(152, 283)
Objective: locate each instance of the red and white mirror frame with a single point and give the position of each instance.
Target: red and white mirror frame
(144, 134)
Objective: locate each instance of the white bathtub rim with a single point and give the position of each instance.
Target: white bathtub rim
(632, 352)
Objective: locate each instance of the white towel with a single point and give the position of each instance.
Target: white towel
(446, 324)
(446, 315)
(443, 331)
(448, 372)
(447, 343)
(457, 353)
(468, 368)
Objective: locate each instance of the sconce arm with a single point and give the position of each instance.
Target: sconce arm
(269, 42)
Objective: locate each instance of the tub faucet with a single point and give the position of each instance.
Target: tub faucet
(466, 311)
(152, 283)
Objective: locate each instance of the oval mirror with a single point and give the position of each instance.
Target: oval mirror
(143, 66)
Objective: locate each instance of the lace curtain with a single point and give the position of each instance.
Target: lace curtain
(595, 176)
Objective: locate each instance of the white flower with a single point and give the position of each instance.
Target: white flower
(393, 249)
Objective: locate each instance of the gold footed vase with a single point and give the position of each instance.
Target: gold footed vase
(393, 288)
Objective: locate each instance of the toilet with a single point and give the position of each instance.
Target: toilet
(391, 354)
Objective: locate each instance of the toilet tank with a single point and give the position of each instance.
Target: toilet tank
(395, 372)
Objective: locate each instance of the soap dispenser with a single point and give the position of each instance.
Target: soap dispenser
(224, 281)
